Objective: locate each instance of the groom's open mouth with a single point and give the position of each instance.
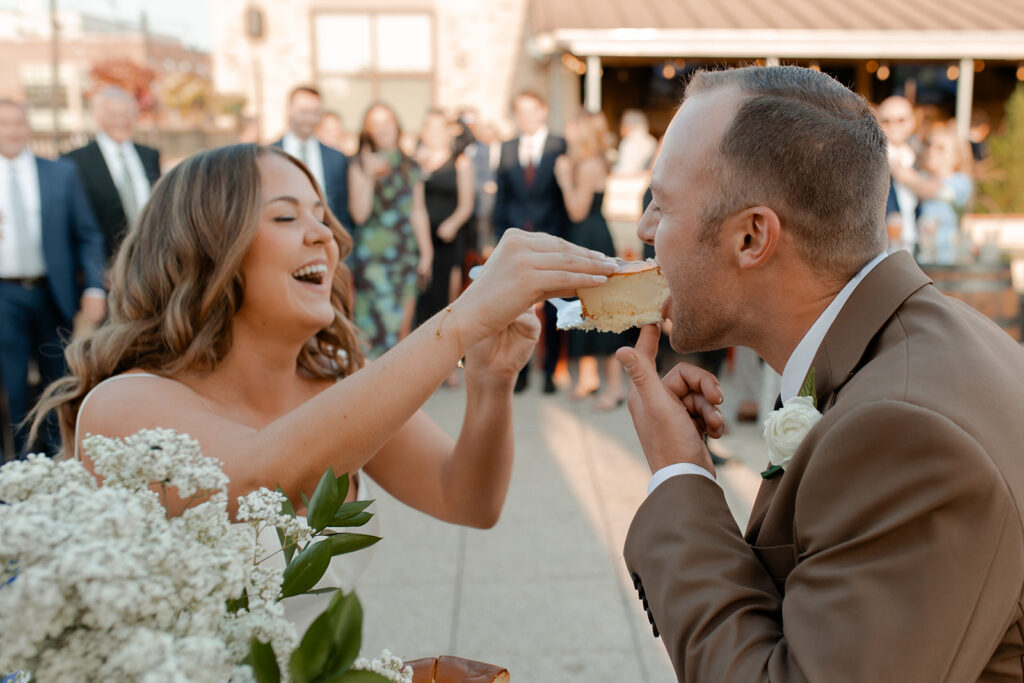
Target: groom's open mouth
(314, 273)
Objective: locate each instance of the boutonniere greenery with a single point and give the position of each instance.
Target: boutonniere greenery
(785, 428)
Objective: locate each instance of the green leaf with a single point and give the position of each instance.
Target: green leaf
(808, 387)
(241, 602)
(346, 628)
(322, 591)
(305, 501)
(355, 520)
(346, 543)
(342, 484)
(286, 509)
(324, 502)
(349, 510)
(263, 662)
(306, 569)
(331, 642)
(286, 505)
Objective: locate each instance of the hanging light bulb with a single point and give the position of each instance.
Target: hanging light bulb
(883, 72)
(871, 66)
(953, 72)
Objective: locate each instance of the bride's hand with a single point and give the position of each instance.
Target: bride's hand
(501, 356)
(527, 267)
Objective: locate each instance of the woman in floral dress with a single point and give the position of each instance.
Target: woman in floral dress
(393, 254)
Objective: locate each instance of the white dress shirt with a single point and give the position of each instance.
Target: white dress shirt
(112, 152)
(21, 247)
(797, 367)
(531, 147)
(308, 152)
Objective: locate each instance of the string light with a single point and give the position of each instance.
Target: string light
(871, 66)
(1020, 72)
(668, 71)
(979, 65)
(883, 73)
(953, 72)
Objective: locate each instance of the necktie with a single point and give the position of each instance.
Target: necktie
(129, 200)
(17, 231)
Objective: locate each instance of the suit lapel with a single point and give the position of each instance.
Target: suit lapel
(99, 166)
(46, 204)
(882, 291)
(871, 305)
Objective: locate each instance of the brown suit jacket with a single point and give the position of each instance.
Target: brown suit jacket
(892, 548)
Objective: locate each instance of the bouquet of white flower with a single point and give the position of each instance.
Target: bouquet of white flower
(100, 583)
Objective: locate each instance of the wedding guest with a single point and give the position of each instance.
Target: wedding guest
(51, 267)
(528, 197)
(944, 188)
(896, 115)
(393, 255)
(117, 172)
(448, 195)
(327, 164)
(331, 131)
(636, 145)
(891, 516)
(229, 322)
(581, 175)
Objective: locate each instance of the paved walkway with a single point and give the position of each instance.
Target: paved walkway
(545, 592)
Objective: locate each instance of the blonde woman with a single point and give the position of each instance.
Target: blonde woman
(581, 175)
(229, 322)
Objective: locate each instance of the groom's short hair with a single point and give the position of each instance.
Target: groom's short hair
(812, 150)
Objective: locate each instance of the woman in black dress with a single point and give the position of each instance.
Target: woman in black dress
(449, 193)
(581, 174)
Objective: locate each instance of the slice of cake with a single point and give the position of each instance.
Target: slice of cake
(632, 296)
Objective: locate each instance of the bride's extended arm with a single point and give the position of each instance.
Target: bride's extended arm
(465, 481)
(345, 425)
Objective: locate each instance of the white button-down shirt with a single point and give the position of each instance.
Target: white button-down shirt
(531, 147)
(797, 367)
(21, 253)
(112, 151)
(308, 152)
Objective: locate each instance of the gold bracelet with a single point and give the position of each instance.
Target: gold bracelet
(437, 332)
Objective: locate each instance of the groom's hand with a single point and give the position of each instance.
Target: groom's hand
(671, 415)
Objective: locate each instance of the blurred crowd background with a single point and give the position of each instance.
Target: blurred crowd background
(435, 125)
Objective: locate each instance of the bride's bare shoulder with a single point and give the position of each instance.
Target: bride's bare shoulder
(137, 400)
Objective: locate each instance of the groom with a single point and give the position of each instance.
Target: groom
(891, 546)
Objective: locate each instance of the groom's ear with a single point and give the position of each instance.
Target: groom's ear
(754, 236)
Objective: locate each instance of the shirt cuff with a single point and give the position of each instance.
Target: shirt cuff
(95, 291)
(669, 471)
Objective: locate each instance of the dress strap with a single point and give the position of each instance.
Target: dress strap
(86, 400)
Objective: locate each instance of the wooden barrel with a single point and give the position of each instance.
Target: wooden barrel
(988, 289)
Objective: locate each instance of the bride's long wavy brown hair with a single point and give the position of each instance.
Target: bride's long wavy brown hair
(176, 284)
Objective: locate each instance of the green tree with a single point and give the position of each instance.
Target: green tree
(1001, 190)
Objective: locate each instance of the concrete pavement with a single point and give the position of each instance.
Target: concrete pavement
(545, 592)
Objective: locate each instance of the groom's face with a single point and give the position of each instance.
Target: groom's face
(702, 294)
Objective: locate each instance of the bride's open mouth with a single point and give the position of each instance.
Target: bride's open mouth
(314, 274)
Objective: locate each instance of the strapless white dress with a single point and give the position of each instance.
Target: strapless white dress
(341, 573)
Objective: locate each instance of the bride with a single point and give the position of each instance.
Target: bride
(229, 321)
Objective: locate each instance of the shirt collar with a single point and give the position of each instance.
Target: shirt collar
(800, 360)
(535, 139)
(110, 145)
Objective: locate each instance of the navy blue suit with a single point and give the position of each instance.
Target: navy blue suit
(36, 315)
(335, 182)
(535, 207)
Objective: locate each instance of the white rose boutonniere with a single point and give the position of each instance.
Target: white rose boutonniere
(785, 428)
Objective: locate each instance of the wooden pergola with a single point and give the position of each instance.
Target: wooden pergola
(959, 31)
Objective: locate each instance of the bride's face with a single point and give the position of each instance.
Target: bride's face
(290, 266)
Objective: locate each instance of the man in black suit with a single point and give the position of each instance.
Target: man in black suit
(328, 165)
(51, 265)
(528, 197)
(116, 172)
